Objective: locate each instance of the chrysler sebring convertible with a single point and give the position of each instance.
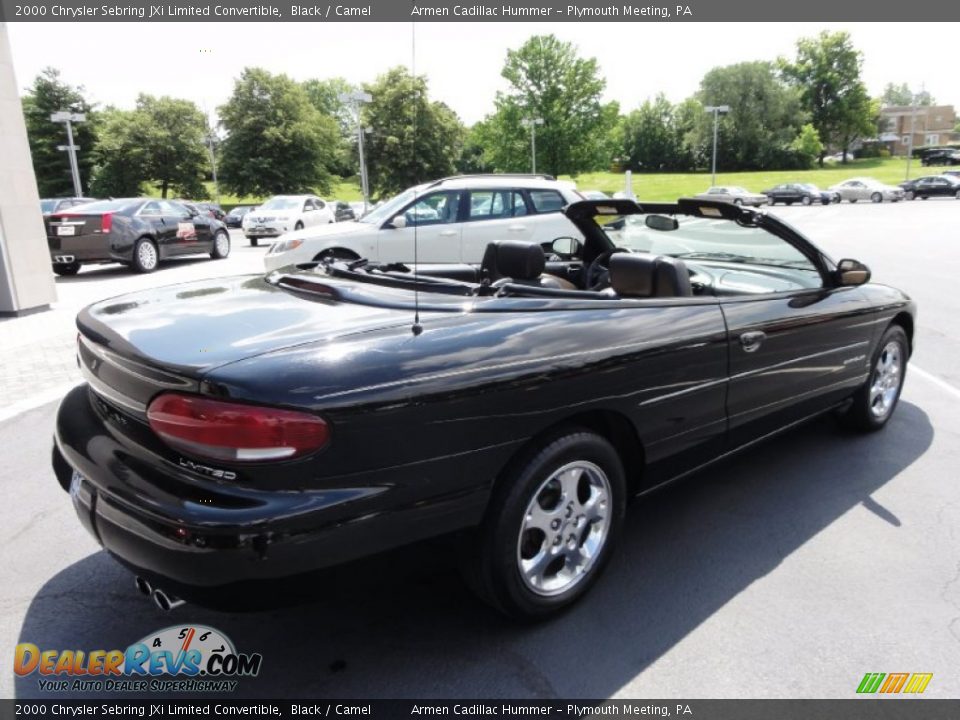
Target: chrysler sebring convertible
(235, 432)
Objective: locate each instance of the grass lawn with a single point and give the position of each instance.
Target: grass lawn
(348, 190)
(670, 186)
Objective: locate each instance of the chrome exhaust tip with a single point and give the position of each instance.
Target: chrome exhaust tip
(166, 602)
(143, 586)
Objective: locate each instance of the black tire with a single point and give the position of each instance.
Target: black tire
(853, 200)
(496, 571)
(957, 196)
(336, 254)
(145, 256)
(868, 413)
(837, 199)
(806, 200)
(218, 251)
(909, 195)
(298, 226)
(253, 241)
(876, 197)
(66, 269)
(924, 197)
(738, 201)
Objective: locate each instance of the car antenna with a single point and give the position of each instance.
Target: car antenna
(417, 327)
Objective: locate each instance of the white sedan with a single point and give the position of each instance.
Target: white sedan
(285, 213)
(867, 189)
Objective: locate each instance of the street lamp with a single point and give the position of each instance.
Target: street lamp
(717, 111)
(354, 100)
(213, 163)
(532, 124)
(65, 116)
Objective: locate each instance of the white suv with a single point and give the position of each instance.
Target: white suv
(285, 213)
(452, 219)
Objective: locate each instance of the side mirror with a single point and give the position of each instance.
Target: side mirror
(567, 246)
(852, 272)
(399, 222)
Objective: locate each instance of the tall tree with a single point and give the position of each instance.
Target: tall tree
(654, 138)
(764, 118)
(47, 95)
(548, 80)
(277, 141)
(902, 95)
(412, 139)
(120, 157)
(826, 71)
(326, 96)
(173, 134)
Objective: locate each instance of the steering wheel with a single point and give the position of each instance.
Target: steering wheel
(598, 275)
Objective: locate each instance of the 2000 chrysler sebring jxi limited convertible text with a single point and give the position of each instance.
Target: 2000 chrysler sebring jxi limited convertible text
(242, 430)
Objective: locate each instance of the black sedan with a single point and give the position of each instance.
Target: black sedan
(932, 186)
(234, 218)
(802, 193)
(235, 432)
(941, 157)
(342, 211)
(139, 232)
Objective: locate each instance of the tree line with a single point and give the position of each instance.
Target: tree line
(277, 135)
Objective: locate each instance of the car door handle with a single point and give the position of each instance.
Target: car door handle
(752, 340)
(516, 228)
(447, 233)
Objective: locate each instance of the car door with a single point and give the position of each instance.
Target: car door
(939, 187)
(500, 214)
(795, 344)
(192, 234)
(430, 232)
(164, 231)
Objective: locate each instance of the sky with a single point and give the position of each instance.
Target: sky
(199, 61)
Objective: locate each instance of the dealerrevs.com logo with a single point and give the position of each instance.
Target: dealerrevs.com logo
(193, 658)
(894, 683)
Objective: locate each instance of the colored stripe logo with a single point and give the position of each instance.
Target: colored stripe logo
(883, 683)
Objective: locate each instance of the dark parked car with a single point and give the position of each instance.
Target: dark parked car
(952, 173)
(214, 210)
(342, 211)
(803, 193)
(48, 206)
(238, 431)
(234, 218)
(139, 232)
(932, 186)
(941, 157)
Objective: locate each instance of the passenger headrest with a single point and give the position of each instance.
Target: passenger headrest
(514, 259)
(646, 275)
(632, 274)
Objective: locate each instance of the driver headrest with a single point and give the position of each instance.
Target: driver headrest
(514, 259)
(646, 275)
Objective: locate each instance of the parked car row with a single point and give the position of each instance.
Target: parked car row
(946, 185)
(852, 190)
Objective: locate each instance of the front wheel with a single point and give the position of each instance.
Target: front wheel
(874, 403)
(298, 226)
(221, 245)
(551, 525)
(910, 195)
(876, 197)
(806, 200)
(145, 256)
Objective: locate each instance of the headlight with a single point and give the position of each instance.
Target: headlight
(285, 246)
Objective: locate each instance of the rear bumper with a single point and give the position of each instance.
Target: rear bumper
(195, 536)
(84, 249)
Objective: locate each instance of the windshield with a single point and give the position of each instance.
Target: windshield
(391, 207)
(708, 239)
(736, 190)
(281, 203)
(810, 187)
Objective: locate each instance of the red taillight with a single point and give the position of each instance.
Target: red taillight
(231, 431)
(106, 222)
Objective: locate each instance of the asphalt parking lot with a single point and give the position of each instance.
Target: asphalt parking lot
(789, 572)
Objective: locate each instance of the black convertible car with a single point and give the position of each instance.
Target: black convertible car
(233, 432)
(139, 232)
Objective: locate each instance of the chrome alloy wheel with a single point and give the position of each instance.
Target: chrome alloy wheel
(564, 528)
(886, 380)
(222, 244)
(147, 255)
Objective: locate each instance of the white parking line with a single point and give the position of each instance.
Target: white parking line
(930, 377)
(35, 401)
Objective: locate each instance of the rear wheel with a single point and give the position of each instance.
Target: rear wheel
(876, 197)
(910, 195)
(253, 241)
(551, 525)
(875, 402)
(66, 269)
(806, 200)
(738, 201)
(221, 245)
(145, 256)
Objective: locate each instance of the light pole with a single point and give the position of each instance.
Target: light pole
(354, 100)
(65, 116)
(913, 124)
(213, 164)
(717, 111)
(532, 124)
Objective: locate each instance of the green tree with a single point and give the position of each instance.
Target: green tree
(47, 95)
(325, 96)
(764, 118)
(654, 137)
(902, 95)
(807, 145)
(120, 156)
(173, 133)
(276, 140)
(548, 80)
(826, 71)
(412, 140)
